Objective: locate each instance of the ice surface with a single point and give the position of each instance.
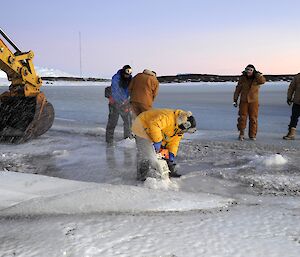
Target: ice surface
(28, 194)
(88, 202)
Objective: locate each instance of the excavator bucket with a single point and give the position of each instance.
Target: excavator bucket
(24, 118)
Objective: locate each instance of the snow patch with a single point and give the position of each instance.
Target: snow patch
(270, 161)
(50, 72)
(161, 184)
(45, 72)
(60, 153)
(2, 74)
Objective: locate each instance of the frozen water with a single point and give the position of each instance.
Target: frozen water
(27, 194)
(88, 203)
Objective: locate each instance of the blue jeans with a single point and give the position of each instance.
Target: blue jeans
(295, 116)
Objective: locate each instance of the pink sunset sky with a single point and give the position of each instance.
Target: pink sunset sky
(170, 37)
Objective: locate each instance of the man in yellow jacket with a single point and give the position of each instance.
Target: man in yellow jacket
(156, 129)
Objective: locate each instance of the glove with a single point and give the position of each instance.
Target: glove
(289, 101)
(235, 104)
(257, 74)
(157, 146)
(125, 106)
(171, 157)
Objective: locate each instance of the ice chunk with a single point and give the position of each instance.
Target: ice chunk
(271, 160)
(127, 143)
(161, 184)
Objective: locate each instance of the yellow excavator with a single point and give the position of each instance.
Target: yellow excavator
(25, 112)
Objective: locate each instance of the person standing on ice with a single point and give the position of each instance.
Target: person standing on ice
(248, 91)
(143, 89)
(119, 105)
(159, 129)
(293, 97)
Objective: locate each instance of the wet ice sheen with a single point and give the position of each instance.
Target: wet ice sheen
(120, 217)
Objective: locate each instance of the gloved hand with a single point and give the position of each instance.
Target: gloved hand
(125, 106)
(157, 146)
(171, 157)
(257, 74)
(235, 104)
(289, 101)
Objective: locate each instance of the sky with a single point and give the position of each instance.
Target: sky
(168, 36)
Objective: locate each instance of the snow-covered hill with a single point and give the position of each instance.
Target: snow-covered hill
(50, 72)
(45, 72)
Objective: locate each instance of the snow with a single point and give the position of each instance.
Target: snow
(28, 194)
(67, 194)
(272, 160)
(50, 72)
(2, 74)
(45, 72)
(165, 184)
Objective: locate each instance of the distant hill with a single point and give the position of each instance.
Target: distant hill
(49, 74)
(180, 78)
(75, 79)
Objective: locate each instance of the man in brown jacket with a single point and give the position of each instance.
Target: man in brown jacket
(143, 89)
(293, 96)
(248, 91)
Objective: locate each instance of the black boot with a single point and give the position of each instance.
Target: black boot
(143, 170)
(173, 173)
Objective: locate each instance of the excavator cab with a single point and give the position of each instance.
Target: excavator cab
(25, 112)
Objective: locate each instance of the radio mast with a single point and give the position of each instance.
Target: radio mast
(80, 58)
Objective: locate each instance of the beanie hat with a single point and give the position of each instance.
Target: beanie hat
(250, 66)
(127, 69)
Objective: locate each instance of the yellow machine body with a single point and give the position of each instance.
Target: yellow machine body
(25, 112)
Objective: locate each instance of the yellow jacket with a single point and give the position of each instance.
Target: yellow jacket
(161, 125)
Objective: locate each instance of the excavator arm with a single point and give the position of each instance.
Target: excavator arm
(25, 112)
(19, 68)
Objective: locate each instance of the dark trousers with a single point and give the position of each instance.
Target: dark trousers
(295, 116)
(113, 117)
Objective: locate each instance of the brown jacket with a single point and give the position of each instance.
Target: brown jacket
(143, 88)
(248, 89)
(294, 90)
